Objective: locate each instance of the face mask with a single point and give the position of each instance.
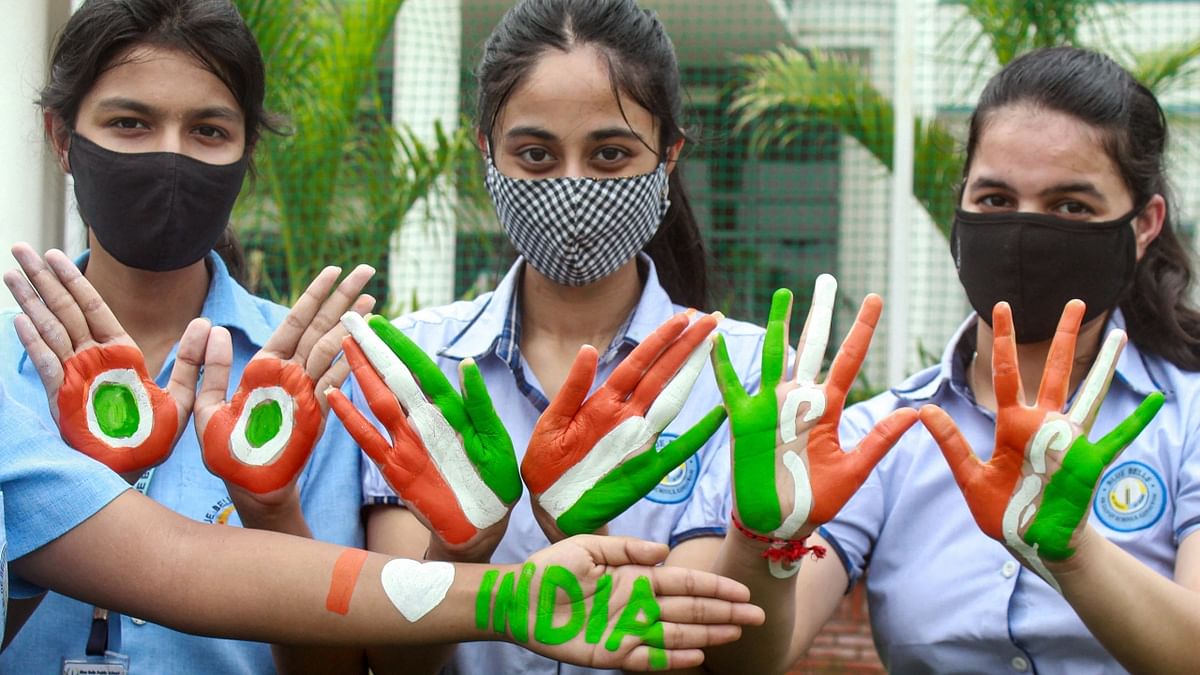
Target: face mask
(1038, 262)
(156, 211)
(575, 231)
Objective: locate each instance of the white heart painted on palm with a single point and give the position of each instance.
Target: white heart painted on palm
(416, 588)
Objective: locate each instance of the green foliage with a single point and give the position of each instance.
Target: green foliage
(784, 90)
(342, 177)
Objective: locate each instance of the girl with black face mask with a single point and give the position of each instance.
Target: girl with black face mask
(1042, 547)
(154, 107)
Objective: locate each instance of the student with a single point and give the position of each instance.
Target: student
(580, 104)
(110, 545)
(1064, 196)
(154, 107)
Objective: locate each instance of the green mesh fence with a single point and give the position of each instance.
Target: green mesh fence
(789, 106)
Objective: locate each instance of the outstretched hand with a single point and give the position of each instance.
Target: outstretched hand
(1034, 493)
(105, 403)
(794, 423)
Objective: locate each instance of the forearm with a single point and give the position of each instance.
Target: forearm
(139, 558)
(1147, 622)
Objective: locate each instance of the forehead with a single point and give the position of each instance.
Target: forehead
(571, 93)
(162, 78)
(1030, 147)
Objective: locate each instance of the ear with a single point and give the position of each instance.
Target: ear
(1149, 223)
(481, 141)
(673, 154)
(59, 137)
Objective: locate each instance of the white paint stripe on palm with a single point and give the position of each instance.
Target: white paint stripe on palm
(479, 504)
(1030, 488)
(269, 451)
(626, 438)
(808, 364)
(1053, 435)
(1093, 387)
(801, 497)
(141, 398)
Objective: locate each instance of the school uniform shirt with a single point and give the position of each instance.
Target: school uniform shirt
(945, 598)
(692, 501)
(46, 489)
(330, 495)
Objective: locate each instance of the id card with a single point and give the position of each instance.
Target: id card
(111, 663)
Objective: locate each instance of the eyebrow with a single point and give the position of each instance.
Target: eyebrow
(1084, 187)
(593, 137)
(132, 105)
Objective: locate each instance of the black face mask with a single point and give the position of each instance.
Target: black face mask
(156, 211)
(1038, 262)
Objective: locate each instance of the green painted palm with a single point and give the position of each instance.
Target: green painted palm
(343, 177)
(784, 91)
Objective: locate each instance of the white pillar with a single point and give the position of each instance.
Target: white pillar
(428, 69)
(30, 180)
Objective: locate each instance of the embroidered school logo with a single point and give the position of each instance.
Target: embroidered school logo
(676, 486)
(1131, 497)
(220, 512)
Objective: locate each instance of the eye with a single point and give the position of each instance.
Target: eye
(611, 154)
(210, 132)
(993, 201)
(128, 123)
(534, 155)
(1074, 208)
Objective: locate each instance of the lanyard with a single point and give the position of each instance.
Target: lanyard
(99, 640)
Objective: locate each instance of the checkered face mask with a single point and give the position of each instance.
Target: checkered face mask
(575, 231)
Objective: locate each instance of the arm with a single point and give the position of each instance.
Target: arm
(791, 475)
(291, 590)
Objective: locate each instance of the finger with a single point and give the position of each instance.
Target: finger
(852, 353)
(51, 330)
(707, 611)
(643, 658)
(433, 381)
(575, 388)
(218, 362)
(965, 466)
(676, 370)
(45, 361)
(728, 382)
(56, 297)
(683, 581)
(322, 354)
(345, 297)
(616, 550)
(876, 444)
(1123, 434)
(815, 336)
(478, 401)
(380, 358)
(1056, 378)
(359, 428)
(102, 323)
(689, 635)
(626, 376)
(1006, 376)
(380, 398)
(189, 357)
(679, 450)
(775, 344)
(1095, 386)
(492, 453)
(284, 340)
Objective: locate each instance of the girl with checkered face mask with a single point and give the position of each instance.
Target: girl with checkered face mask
(596, 371)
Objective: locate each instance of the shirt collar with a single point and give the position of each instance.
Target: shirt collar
(496, 327)
(227, 303)
(1135, 369)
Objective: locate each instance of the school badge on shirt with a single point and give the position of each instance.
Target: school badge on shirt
(676, 486)
(1131, 496)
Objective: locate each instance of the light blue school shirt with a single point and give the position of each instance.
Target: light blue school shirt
(37, 470)
(945, 598)
(330, 494)
(693, 501)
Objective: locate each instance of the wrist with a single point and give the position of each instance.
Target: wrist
(1086, 544)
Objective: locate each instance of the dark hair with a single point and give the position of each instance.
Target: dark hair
(212, 31)
(642, 65)
(1090, 86)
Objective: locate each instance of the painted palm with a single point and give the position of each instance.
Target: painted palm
(784, 91)
(342, 179)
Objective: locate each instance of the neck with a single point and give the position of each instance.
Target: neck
(154, 308)
(1031, 360)
(574, 316)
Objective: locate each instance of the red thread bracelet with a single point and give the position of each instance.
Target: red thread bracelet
(782, 550)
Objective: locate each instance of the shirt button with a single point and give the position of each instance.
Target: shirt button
(138, 622)
(1019, 664)
(1009, 569)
